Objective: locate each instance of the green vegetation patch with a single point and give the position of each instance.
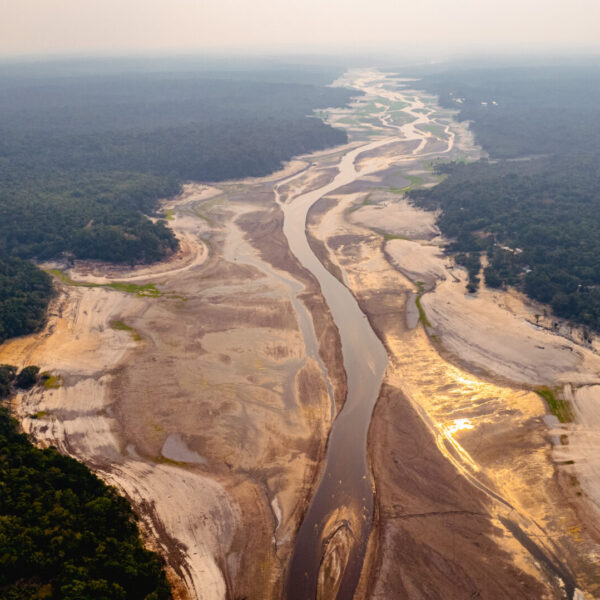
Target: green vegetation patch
(558, 406)
(366, 202)
(64, 278)
(435, 130)
(422, 316)
(169, 214)
(414, 182)
(51, 382)
(398, 106)
(64, 534)
(121, 326)
(400, 117)
(392, 236)
(203, 210)
(146, 290)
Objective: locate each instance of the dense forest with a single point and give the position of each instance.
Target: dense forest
(525, 111)
(534, 207)
(64, 534)
(24, 294)
(88, 148)
(184, 126)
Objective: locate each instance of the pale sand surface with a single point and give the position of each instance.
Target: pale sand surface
(393, 214)
(419, 262)
(494, 330)
(582, 451)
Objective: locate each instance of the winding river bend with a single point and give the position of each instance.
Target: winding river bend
(331, 543)
(346, 481)
(342, 506)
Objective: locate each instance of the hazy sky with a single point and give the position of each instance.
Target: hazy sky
(123, 26)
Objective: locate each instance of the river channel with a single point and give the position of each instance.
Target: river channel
(344, 496)
(346, 481)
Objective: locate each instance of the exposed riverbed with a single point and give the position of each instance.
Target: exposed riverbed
(280, 418)
(331, 543)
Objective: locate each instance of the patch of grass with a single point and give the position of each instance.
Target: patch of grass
(148, 289)
(62, 276)
(435, 130)
(392, 236)
(422, 316)
(169, 214)
(559, 407)
(40, 414)
(366, 202)
(120, 326)
(414, 181)
(400, 117)
(163, 460)
(398, 105)
(51, 382)
(202, 211)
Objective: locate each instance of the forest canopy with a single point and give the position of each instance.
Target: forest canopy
(25, 291)
(64, 534)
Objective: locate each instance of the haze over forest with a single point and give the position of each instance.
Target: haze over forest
(429, 29)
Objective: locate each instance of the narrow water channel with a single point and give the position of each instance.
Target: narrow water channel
(346, 481)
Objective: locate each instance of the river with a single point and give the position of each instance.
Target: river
(344, 496)
(346, 481)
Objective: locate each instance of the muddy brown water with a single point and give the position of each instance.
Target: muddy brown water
(346, 481)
